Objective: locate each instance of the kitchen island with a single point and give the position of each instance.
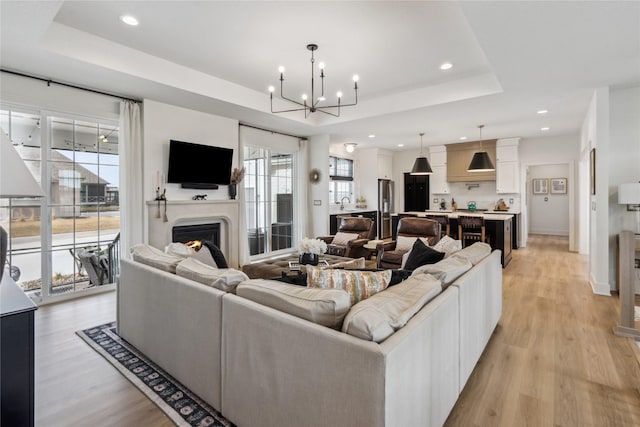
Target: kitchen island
(499, 227)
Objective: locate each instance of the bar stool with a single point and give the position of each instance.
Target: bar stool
(471, 228)
(444, 224)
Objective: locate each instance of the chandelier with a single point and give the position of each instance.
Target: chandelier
(481, 161)
(312, 104)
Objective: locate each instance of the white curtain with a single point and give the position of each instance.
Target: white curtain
(302, 178)
(243, 255)
(131, 194)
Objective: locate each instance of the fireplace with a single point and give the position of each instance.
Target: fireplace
(221, 214)
(186, 233)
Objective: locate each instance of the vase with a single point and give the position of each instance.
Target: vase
(233, 191)
(308, 258)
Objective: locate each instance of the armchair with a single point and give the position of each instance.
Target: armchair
(363, 227)
(389, 257)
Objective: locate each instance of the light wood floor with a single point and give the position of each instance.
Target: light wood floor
(552, 361)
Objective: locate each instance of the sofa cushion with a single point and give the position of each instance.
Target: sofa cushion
(475, 253)
(405, 243)
(359, 284)
(421, 254)
(204, 255)
(447, 270)
(376, 318)
(448, 246)
(154, 257)
(325, 307)
(341, 238)
(224, 279)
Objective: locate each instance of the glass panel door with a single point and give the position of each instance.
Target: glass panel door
(84, 204)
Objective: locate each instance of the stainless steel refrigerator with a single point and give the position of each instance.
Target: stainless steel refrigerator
(385, 207)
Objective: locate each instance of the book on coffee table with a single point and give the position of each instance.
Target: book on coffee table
(295, 265)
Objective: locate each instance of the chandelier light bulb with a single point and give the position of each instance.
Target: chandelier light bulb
(314, 100)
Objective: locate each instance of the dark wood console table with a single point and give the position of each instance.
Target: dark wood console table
(16, 355)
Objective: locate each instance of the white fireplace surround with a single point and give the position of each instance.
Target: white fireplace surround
(193, 212)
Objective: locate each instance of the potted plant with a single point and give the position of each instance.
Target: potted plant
(236, 178)
(310, 250)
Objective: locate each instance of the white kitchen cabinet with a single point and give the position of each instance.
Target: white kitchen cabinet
(385, 167)
(438, 180)
(507, 166)
(507, 177)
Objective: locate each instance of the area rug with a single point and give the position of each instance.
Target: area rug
(182, 406)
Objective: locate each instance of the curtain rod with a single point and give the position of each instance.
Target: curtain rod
(272, 131)
(49, 81)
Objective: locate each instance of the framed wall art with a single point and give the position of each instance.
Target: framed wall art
(540, 186)
(558, 185)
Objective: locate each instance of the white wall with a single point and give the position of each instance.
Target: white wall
(624, 158)
(550, 150)
(163, 122)
(319, 192)
(36, 94)
(549, 213)
(595, 134)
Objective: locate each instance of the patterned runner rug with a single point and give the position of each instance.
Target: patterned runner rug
(182, 406)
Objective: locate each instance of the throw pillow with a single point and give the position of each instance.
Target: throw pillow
(204, 255)
(446, 270)
(216, 253)
(343, 239)
(405, 243)
(179, 249)
(448, 245)
(224, 279)
(359, 284)
(422, 254)
(384, 313)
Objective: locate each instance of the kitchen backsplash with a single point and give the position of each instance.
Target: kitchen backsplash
(483, 193)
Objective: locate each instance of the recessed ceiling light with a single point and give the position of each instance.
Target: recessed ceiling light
(372, 136)
(400, 145)
(545, 128)
(542, 111)
(446, 66)
(129, 20)
(462, 138)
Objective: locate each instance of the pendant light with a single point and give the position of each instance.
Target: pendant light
(481, 161)
(421, 165)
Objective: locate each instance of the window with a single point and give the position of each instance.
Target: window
(268, 186)
(341, 179)
(77, 163)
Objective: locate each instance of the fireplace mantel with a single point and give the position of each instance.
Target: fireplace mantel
(190, 212)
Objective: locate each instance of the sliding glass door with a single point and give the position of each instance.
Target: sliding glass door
(74, 246)
(268, 186)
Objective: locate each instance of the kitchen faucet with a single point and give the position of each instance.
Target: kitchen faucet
(342, 200)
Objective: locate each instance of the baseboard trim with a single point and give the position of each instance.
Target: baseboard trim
(599, 288)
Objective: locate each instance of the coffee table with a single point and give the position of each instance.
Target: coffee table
(271, 268)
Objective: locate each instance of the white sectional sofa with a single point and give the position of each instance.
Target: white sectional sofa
(263, 367)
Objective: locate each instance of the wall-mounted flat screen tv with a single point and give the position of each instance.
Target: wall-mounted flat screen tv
(198, 165)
